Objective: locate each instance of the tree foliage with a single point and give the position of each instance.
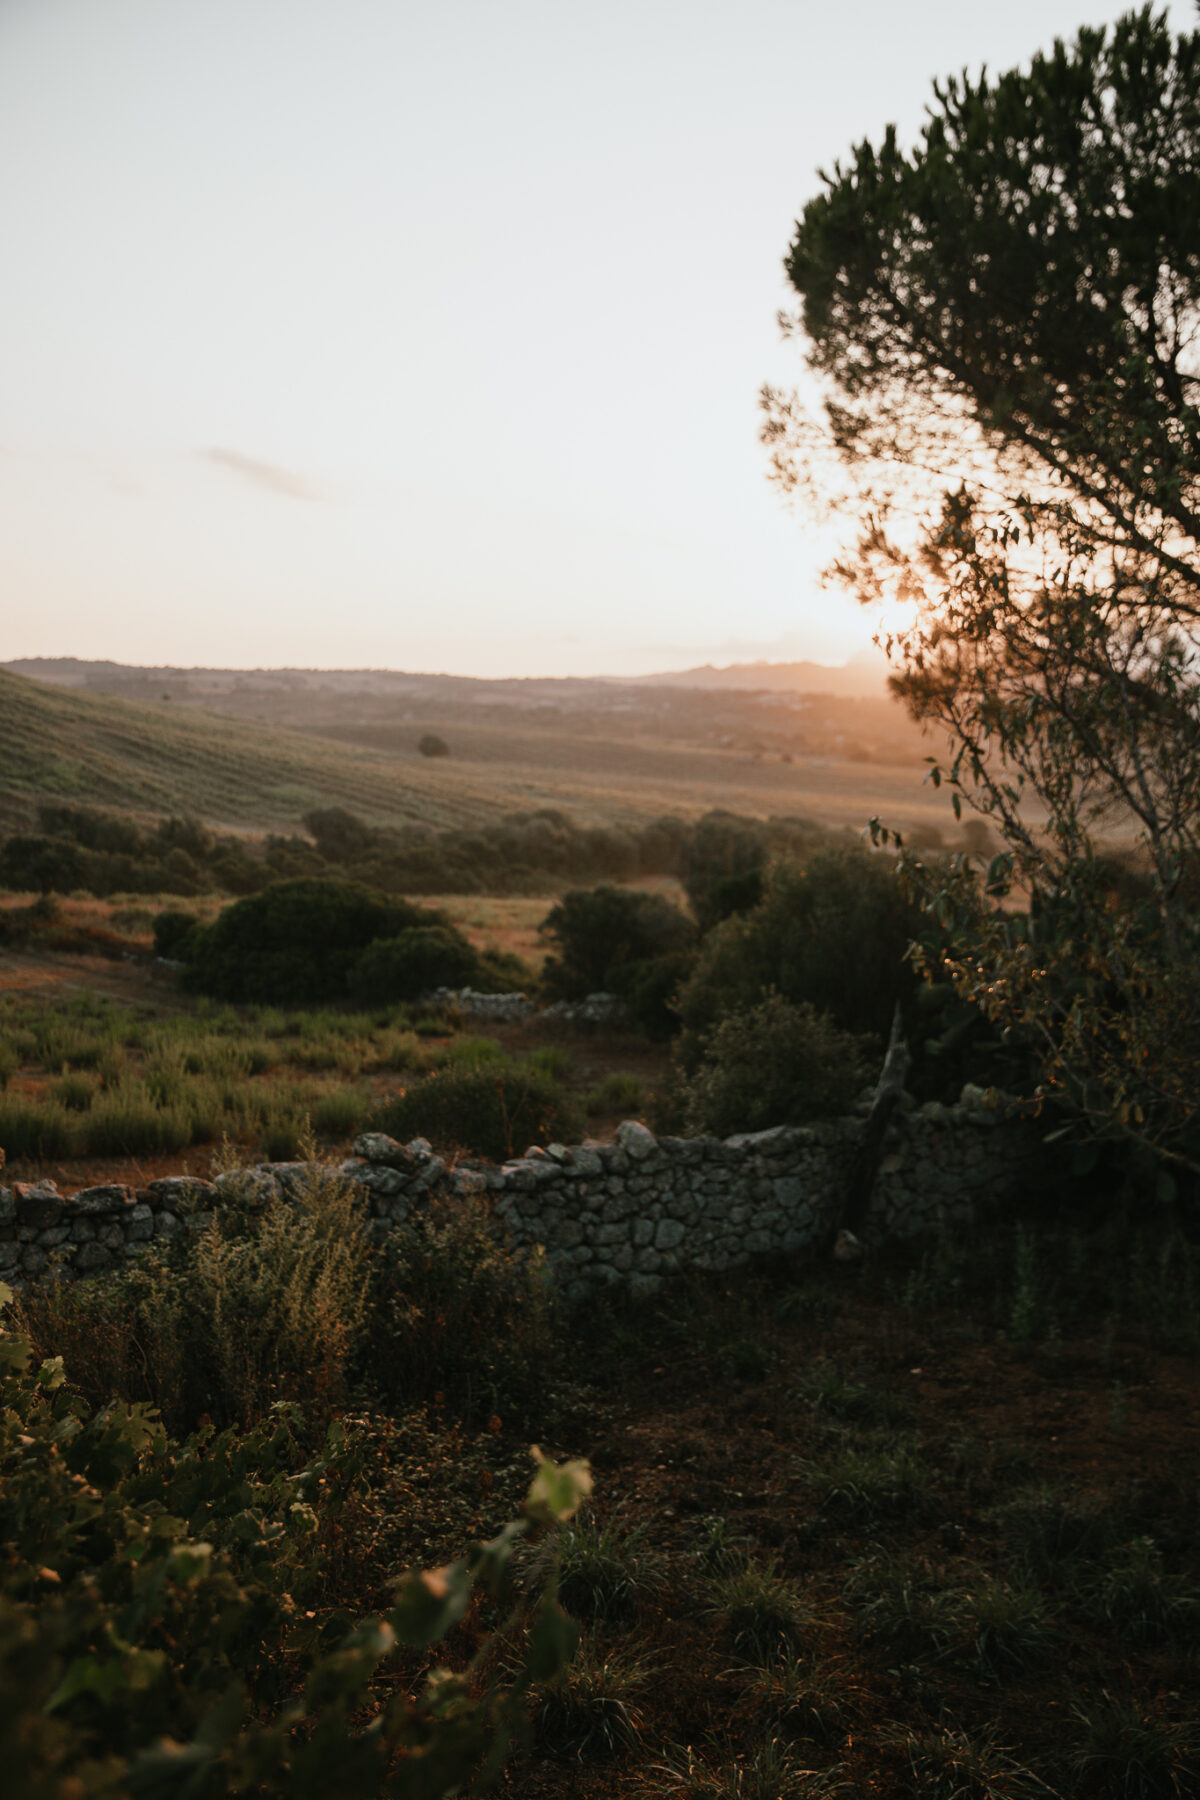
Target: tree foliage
(831, 932)
(1003, 321)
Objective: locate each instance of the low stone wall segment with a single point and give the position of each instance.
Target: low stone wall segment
(634, 1211)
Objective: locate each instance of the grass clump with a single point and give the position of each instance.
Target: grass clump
(773, 1771)
(38, 1129)
(1050, 1534)
(832, 1396)
(618, 1092)
(862, 1483)
(948, 1764)
(591, 1712)
(1134, 1596)
(996, 1628)
(1126, 1753)
(126, 1122)
(341, 1113)
(761, 1611)
(75, 1089)
(257, 1306)
(457, 1314)
(803, 1694)
(602, 1572)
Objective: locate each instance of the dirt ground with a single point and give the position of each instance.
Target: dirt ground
(1104, 1419)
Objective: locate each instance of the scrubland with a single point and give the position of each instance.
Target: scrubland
(921, 1525)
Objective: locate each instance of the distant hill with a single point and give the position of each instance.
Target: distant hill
(255, 749)
(64, 743)
(863, 677)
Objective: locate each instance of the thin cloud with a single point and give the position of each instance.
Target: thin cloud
(265, 474)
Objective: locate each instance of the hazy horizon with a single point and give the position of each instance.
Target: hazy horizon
(425, 338)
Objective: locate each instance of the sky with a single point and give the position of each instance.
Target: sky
(367, 333)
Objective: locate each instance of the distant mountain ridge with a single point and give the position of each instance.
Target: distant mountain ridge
(862, 677)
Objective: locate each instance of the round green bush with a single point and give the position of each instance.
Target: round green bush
(776, 1063)
(295, 942)
(602, 931)
(412, 963)
(495, 1111)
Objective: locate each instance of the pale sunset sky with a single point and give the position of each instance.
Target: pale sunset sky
(356, 333)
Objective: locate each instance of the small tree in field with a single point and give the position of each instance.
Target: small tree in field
(1004, 322)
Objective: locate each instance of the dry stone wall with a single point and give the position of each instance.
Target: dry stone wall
(633, 1211)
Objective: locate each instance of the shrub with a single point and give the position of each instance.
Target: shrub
(432, 745)
(412, 963)
(458, 1314)
(41, 1129)
(174, 931)
(339, 835)
(493, 1111)
(832, 933)
(773, 1063)
(651, 990)
(605, 937)
(340, 1114)
(294, 942)
(42, 865)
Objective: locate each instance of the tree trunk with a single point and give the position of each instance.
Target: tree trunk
(856, 1198)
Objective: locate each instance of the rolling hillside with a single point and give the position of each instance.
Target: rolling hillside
(147, 758)
(604, 754)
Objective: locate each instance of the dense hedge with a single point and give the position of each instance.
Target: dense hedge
(78, 847)
(294, 943)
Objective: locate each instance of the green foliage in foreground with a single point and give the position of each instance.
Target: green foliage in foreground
(154, 1632)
